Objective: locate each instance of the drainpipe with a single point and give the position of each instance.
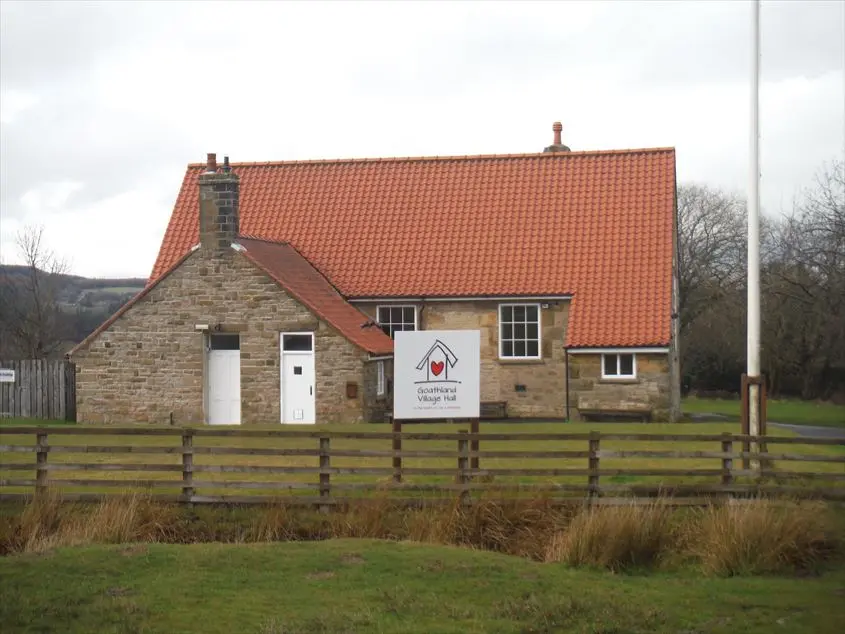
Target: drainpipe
(566, 365)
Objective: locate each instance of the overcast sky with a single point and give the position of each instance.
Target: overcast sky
(102, 105)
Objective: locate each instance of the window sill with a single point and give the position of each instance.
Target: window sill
(622, 380)
(507, 361)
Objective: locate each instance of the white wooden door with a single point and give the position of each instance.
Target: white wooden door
(298, 387)
(224, 387)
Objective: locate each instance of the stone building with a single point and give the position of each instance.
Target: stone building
(279, 286)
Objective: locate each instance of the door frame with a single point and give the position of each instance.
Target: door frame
(294, 353)
(206, 372)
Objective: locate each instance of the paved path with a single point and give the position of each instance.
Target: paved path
(807, 431)
(813, 432)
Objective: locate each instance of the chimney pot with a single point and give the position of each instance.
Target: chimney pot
(557, 145)
(557, 127)
(211, 162)
(226, 167)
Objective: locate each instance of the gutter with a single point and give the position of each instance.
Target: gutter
(568, 378)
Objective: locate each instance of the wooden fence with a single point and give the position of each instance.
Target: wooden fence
(324, 469)
(43, 388)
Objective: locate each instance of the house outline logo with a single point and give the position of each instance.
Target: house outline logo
(438, 368)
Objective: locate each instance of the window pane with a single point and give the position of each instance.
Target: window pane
(383, 314)
(507, 348)
(507, 331)
(519, 348)
(533, 349)
(531, 331)
(296, 343)
(408, 315)
(626, 364)
(507, 314)
(610, 365)
(519, 313)
(531, 313)
(225, 342)
(386, 329)
(519, 331)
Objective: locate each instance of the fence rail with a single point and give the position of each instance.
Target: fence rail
(44, 389)
(319, 472)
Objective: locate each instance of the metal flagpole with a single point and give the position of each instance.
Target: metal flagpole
(753, 361)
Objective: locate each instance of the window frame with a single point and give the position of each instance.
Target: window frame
(381, 382)
(539, 355)
(402, 306)
(619, 376)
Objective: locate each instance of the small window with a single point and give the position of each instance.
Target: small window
(519, 331)
(619, 366)
(224, 342)
(297, 343)
(297, 369)
(392, 319)
(380, 382)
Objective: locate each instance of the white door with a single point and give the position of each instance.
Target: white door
(298, 379)
(224, 383)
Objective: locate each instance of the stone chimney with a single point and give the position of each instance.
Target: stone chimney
(219, 193)
(558, 145)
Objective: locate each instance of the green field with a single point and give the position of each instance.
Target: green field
(215, 480)
(781, 411)
(366, 586)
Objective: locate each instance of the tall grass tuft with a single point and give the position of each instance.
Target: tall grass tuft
(762, 537)
(618, 538)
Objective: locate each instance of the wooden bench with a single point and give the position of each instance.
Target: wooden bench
(623, 411)
(493, 409)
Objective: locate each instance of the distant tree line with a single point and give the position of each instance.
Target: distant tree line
(802, 290)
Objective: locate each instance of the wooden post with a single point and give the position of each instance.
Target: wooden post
(727, 463)
(473, 445)
(745, 427)
(593, 463)
(763, 431)
(397, 446)
(325, 478)
(463, 466)
(188, 464)
(41, 473)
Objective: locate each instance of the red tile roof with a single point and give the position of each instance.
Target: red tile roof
(597, 225)
(305, 283)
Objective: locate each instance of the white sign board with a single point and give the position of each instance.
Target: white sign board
(7, 376)
(436, 374)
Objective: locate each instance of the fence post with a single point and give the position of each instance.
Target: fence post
(473, 445)
(593, 463)
(397, 446)
(463, 465)
(325, 478)
(41, 472)
(187, 464)
(727, 463)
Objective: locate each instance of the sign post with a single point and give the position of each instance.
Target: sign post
(436, 374)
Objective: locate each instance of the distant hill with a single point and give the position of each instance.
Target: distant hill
(84, 302)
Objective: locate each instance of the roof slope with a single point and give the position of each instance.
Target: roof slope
(598, 225)
(295, 274)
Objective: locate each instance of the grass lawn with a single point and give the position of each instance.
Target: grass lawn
(369, 586)
(215, 480)
(787, 411)
(12, 422)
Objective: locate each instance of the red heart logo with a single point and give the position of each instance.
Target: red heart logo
(437, 367)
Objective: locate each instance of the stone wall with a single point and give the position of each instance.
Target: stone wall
(543, 380)
(148, 365)
(651, 387)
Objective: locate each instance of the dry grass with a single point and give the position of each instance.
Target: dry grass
(760, 537)
(615, 537)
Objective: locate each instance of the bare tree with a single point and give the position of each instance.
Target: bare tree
(30, 313)
(711, 236)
